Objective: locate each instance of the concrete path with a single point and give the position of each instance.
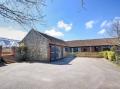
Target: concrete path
(70, 73)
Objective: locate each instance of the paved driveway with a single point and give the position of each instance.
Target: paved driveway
(79, 73)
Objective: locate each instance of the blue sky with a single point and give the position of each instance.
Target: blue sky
(66, 19)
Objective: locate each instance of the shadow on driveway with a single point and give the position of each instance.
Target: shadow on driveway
(2, 65)
(64, 61)
(2, 62)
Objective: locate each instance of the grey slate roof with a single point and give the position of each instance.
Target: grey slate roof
(77, 43)
(51, 39)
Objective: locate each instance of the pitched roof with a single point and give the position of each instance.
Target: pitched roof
(92, 42)
(52, 39)
(77, 43)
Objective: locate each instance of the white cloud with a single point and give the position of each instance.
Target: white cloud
(11, 33)
(89, 24)
(54, 32)
(103, 24)
(107, 24)
(67, 27)
(103, 31)
(117, 18)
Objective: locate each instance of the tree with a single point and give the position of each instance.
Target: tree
(24, 12)
(113, 29)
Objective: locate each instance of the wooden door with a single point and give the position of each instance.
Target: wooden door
(52, 53)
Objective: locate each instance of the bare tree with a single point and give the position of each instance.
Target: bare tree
(113, 29)
(116, 29)
(22, 11)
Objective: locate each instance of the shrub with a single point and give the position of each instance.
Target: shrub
(108, 55)
(113, 48)
(111, 55)
(105, 54)
(22, 49)
(22, 53)
(117, 56)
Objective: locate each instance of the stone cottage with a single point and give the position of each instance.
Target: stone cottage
(42, 47)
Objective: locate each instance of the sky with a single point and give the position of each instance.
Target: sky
(67, 20)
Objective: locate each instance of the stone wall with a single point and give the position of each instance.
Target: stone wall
(37, 46)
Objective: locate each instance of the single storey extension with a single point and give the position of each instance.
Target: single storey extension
(45, 48)
(91, 45)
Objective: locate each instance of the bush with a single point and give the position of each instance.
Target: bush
(105, 54)
(22, 49)
(111, 56)
(117, 56)
(22, 53)
(108, 55)
(113, 48)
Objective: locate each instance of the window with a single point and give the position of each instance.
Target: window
(97, 49)
(106, 48)
(84, 49)
(75, 49)
(66, 49)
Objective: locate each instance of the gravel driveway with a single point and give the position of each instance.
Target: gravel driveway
(70, 73)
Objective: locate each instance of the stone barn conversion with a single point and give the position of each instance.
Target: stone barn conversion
(45, 48)
(42, 47)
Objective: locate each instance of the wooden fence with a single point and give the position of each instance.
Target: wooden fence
(7, 51)
(8, 54)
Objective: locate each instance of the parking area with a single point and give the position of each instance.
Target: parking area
(69, 73)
